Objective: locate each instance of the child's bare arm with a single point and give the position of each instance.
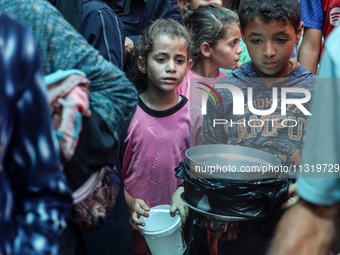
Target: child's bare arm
(310, 49)
(177, 204)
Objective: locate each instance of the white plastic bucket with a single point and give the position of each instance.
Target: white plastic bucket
(162, 232)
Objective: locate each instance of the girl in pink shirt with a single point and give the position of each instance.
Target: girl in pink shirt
(216, 35)
(158, 135)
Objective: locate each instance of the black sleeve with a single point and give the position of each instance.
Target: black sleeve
(95, 149)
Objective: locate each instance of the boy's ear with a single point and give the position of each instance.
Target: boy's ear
(141, 65)
(205, 49)
(189, 66)
(299, 32)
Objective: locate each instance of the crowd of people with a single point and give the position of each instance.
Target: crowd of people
(102, 99)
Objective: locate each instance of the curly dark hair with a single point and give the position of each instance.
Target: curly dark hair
(268, 10)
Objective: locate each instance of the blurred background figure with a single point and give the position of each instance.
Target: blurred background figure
(104, 30)
(319, 18)
(112, 100)
(193, 4)
(138, 14)
(34, 197)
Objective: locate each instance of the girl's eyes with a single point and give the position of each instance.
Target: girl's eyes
(160, 60)
(233, 44)
(163, 60)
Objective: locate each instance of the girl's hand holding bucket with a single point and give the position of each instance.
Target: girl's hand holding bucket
(136, 207)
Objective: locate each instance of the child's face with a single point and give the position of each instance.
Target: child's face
(167, 63)
(228, 51)
(270, 46)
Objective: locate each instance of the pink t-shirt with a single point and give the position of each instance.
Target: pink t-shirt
(189, 89)
(156, 142)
